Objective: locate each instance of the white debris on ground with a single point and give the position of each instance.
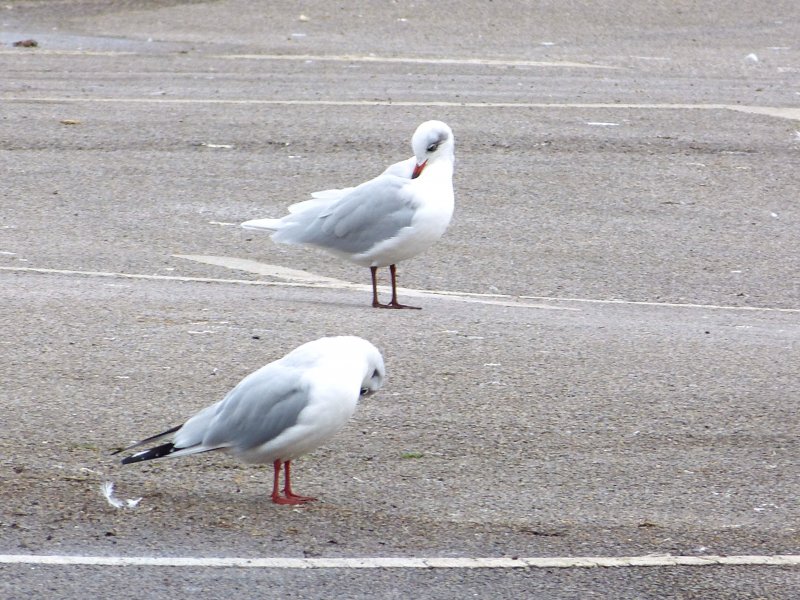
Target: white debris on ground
(107, 489)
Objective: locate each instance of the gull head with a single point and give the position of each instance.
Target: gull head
(374, 373)
(431, 141)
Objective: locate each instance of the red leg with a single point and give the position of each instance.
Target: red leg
(375, 302)
(394, 303)
(287, 488)
(276, 494)
(288, 496)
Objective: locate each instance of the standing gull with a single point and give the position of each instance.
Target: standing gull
(281, 411)
(391, 218)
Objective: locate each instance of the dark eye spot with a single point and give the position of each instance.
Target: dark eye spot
(433, 147)
(364, 391)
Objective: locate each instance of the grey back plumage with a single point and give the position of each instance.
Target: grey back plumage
(260, 408)
(370, 213)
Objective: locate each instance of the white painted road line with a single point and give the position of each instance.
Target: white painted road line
(442, 295)
(479, 62)
(558, 562)
(315, 281)
(768, 111)
(297, 277)
(259, 268)
(662, 304)
(345, 58)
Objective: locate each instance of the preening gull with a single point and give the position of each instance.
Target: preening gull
(385, 220)
(281, 411)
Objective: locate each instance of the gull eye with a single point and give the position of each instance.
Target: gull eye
(364, 391)
(433, 147)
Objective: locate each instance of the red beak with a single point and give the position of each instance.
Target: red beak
(418, 169)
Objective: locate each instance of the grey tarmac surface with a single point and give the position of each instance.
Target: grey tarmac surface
(626, 188)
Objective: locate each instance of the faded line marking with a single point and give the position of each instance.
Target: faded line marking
(481, 62)
(455, 296)
(564, 562)
(663, 304)
(252, 266)
(297, 276)
(491, 299)
(769, 111)
(259, 268)
(348, 58)
(44, 51)
(303, 277)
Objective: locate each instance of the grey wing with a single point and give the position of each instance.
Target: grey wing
(404, 168)
(370, 213)
(257, 411)
(193, 432)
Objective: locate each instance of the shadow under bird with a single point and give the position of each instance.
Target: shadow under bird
(385, 220)
(281, 411)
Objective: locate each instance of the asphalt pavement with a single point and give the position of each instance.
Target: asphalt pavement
(606, 359)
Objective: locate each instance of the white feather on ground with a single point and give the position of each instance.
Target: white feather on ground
(107, 489)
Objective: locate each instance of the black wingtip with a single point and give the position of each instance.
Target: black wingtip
(157, 452)
(146, 441)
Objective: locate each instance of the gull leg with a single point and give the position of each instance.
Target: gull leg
(276, 494)
(287, 488)
(375, 302)
(288, 497)
(394, 303)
